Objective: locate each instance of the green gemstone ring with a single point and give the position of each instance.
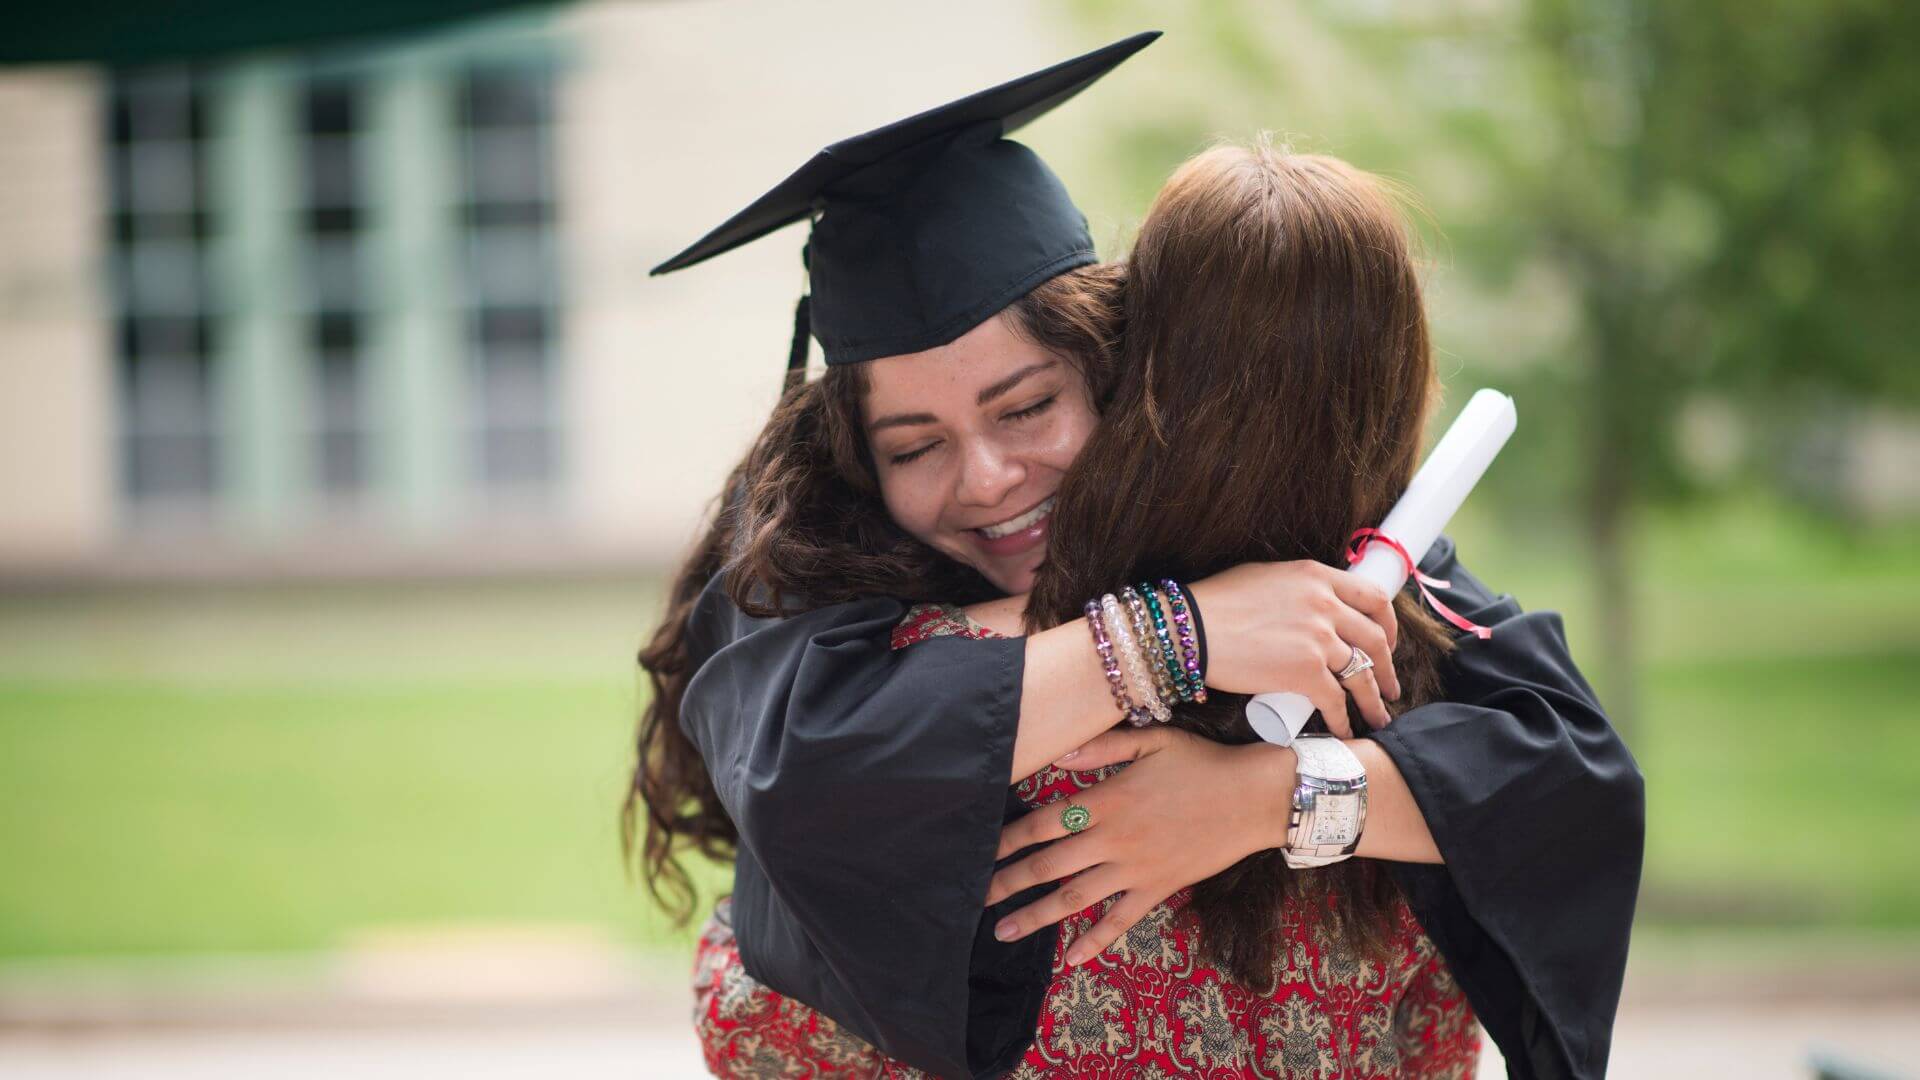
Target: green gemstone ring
(1075, 818)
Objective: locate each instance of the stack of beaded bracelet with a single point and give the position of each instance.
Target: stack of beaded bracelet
(1137, 645)
(1189, 648)
(1176, 677)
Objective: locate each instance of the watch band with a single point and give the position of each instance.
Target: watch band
(1329, 803)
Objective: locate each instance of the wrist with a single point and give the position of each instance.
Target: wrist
(1273, 772)
(1330, 800)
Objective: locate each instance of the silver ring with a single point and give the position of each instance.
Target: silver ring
(1356, 664)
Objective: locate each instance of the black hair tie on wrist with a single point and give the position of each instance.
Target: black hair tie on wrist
(1199, 631)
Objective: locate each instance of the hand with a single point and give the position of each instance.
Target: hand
(1186, 809)
(1293, 626)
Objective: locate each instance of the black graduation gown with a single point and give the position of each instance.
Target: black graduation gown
(869, 788)
(1540, 813)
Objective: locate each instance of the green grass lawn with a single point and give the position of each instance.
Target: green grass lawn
(145, 816)
(1783, 791)
(284, 768)
(237, 769)
(1779, 654)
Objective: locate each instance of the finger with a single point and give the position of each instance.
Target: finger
(1050, 863)
(1366, 693)
(1130, 908)
(1364, 634)
(1076, 894)
(1331, 699)
(1327, 694)
(1366, 696)
(1369, 600)
(1108, 748)
(1041, 825)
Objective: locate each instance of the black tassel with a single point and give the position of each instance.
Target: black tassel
(802, 330)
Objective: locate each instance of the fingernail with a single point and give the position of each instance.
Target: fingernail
(1066, 757)
(1006, 930)
(1076, 956)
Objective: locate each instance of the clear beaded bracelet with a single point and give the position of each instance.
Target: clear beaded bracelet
(1163, 687)
(1147, 704)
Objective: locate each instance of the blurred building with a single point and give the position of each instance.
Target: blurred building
(385, 308)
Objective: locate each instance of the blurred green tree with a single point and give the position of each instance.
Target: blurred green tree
(1714, 194)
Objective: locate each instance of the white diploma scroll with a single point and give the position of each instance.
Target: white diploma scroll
(1437, 490)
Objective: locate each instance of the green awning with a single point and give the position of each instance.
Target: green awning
(140, 31)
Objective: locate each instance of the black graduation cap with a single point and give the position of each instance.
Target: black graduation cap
(927, 227)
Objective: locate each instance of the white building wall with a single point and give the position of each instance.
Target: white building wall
(56, 444)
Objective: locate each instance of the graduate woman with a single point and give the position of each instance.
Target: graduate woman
(864, 785)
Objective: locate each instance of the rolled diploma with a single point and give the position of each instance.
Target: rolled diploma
(1437, 490)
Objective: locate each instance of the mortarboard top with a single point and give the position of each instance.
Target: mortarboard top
(927, 227)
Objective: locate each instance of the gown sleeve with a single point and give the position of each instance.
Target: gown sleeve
(1540, 813)
(869, 787)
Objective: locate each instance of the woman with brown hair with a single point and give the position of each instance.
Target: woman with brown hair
(1273, 380)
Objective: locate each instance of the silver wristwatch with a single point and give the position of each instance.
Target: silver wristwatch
(1329, 803)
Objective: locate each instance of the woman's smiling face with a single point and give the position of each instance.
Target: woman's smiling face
(971, 440)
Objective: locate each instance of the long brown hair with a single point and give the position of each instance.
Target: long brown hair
(802, 525)
(1275, 380)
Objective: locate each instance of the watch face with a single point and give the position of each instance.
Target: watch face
(1336, 820)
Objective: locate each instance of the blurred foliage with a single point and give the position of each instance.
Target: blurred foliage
(1651, 206)
(1784, 138)
(1649, 200)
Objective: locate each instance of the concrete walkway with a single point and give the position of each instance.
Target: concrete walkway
(496, 1014)
(1691, 1042)
(547, 1053)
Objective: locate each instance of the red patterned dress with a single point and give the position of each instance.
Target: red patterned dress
(1146, 1008)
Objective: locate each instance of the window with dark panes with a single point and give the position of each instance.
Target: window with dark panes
(168, 446)
(334, 285)
(506, 116)
(332, 126)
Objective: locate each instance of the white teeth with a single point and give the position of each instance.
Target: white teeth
(1024, 521)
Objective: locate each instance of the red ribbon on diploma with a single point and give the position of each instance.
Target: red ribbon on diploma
(1361, 539)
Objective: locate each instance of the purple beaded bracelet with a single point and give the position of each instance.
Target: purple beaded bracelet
(1097, 624)
(1183, 629)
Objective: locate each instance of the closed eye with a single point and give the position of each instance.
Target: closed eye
(1034, 409)
(1027, 413)
(912, 455)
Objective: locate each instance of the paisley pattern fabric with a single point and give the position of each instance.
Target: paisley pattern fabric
(1147, 1007)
